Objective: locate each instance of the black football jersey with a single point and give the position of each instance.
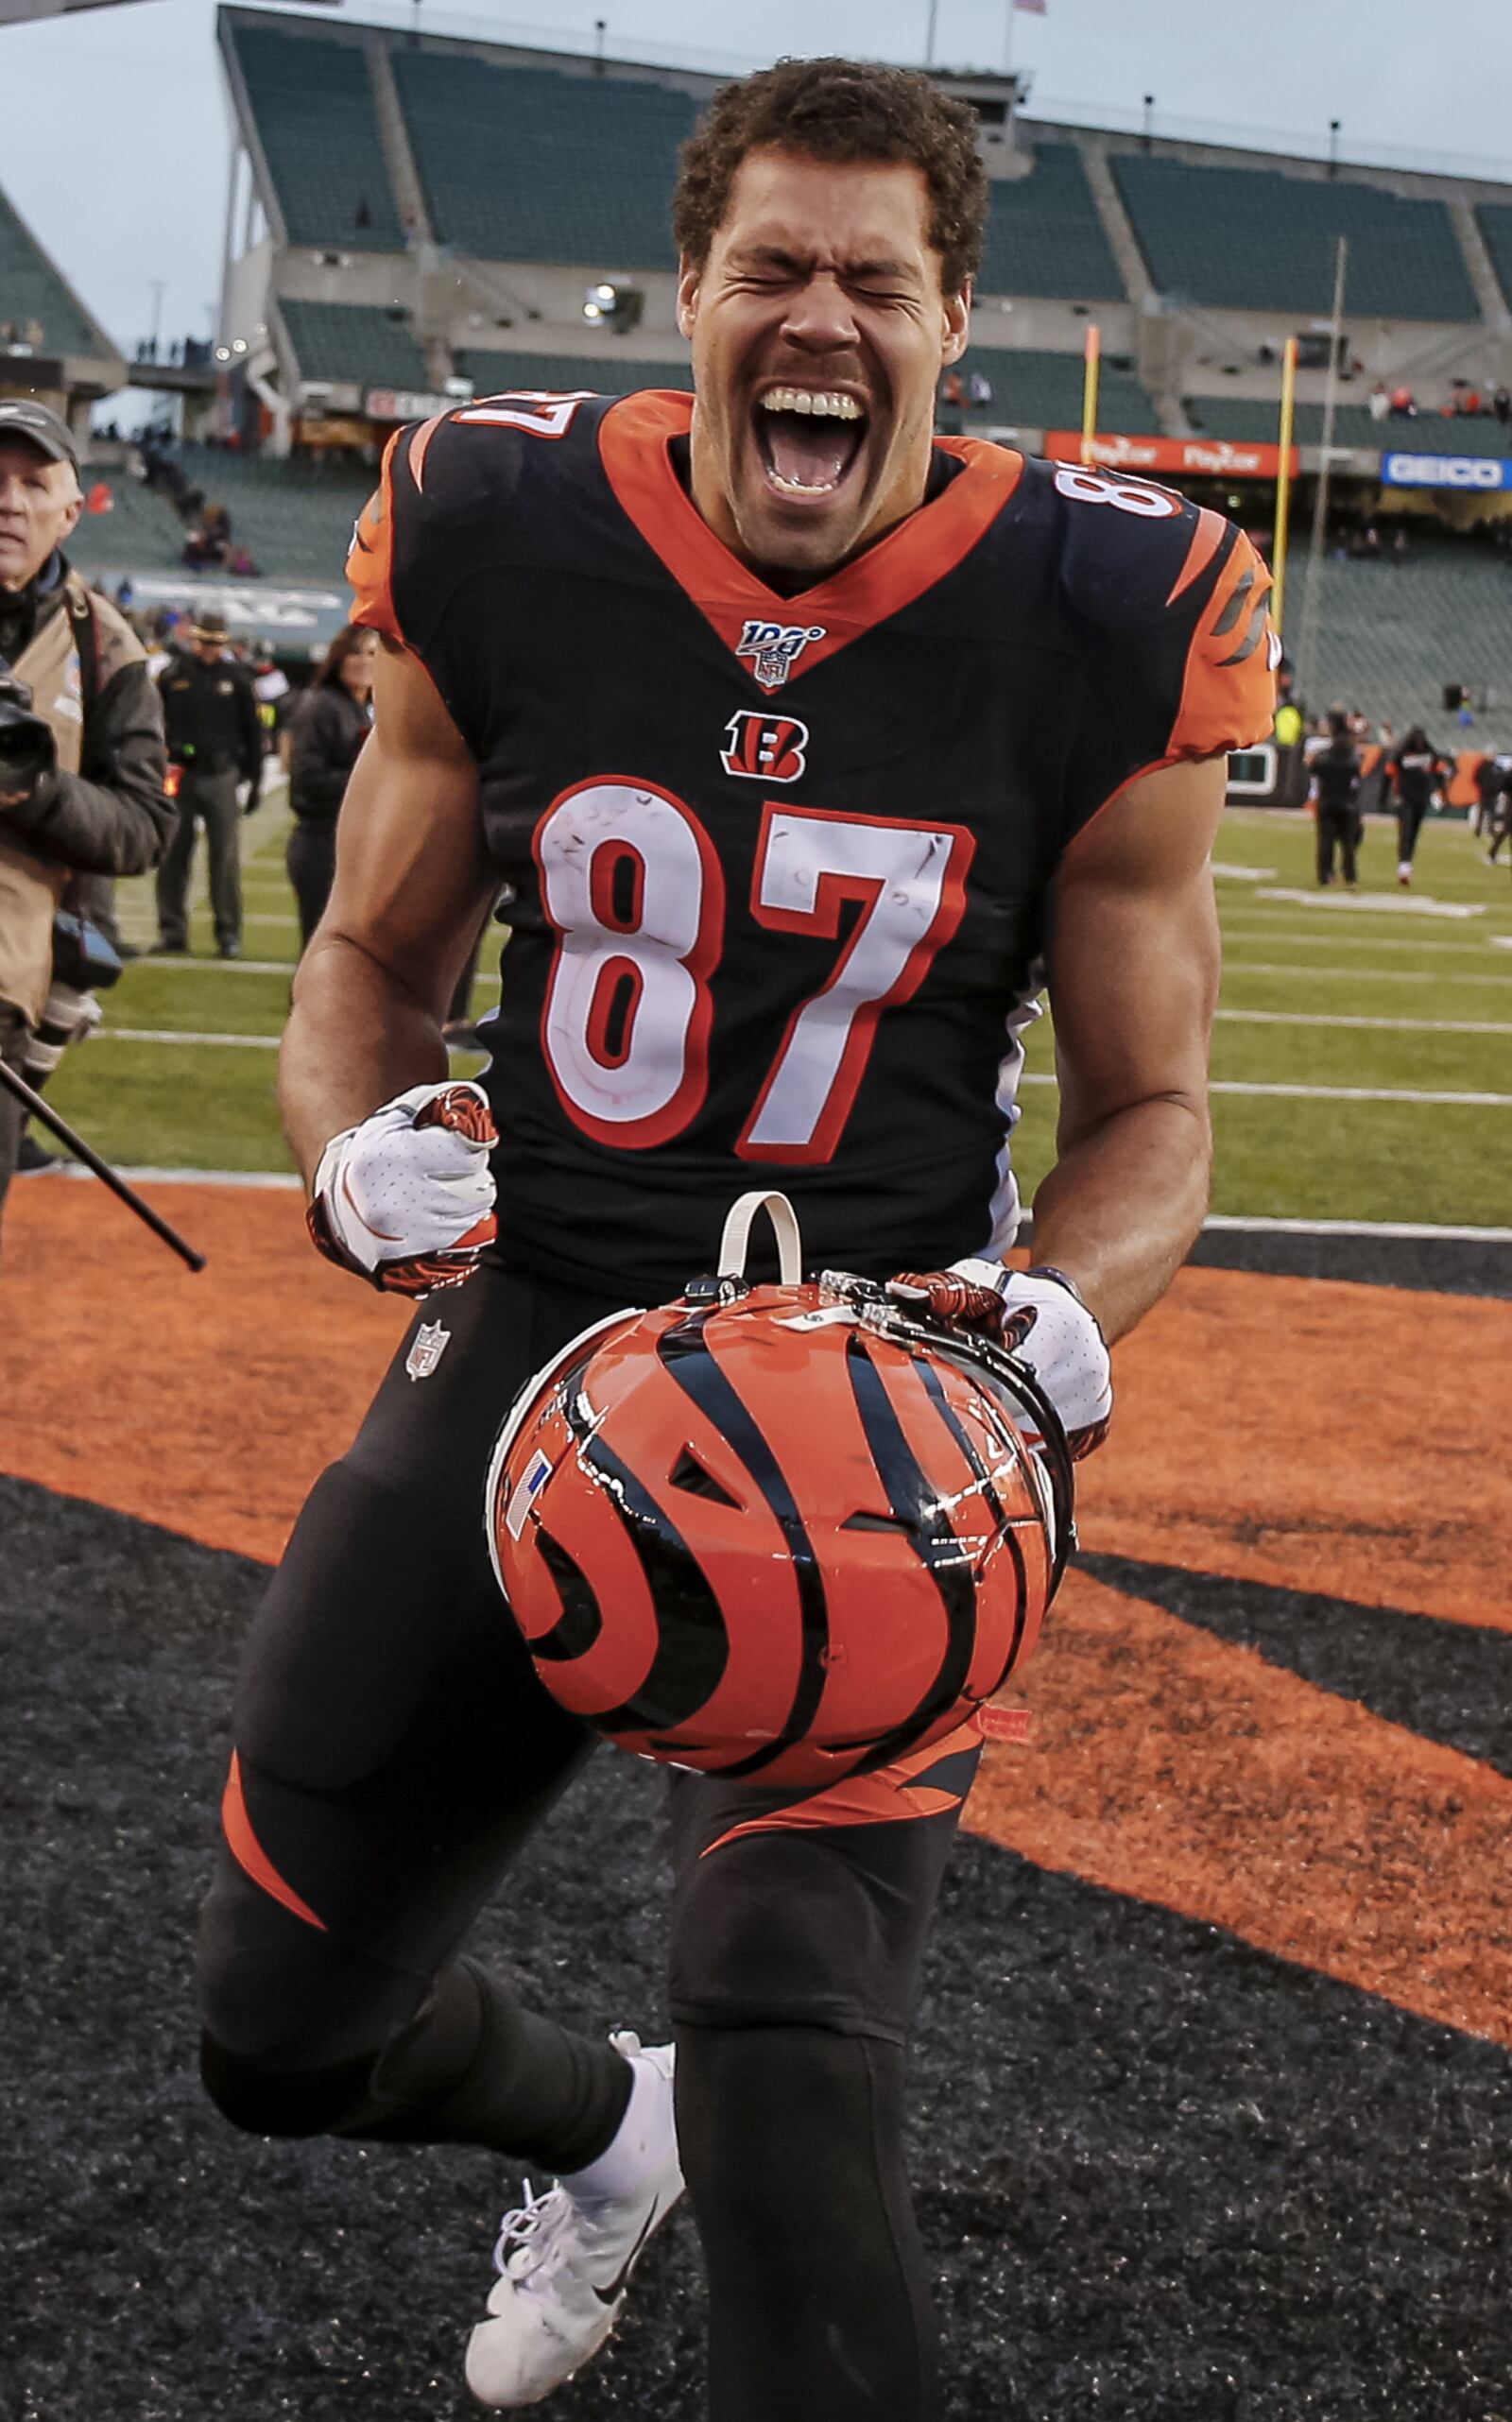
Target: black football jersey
(777, 867)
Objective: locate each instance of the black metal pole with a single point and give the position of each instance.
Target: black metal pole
(61, 1128)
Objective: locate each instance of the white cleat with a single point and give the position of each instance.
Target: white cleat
(564, 2259)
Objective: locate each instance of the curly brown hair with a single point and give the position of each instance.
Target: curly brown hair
(840, 110)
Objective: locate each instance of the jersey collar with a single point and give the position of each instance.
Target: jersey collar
(634, 438)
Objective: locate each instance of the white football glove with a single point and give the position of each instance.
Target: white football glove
(406, 1198)
(1040, 1317)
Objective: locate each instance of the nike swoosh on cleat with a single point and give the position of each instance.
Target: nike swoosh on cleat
(616, 2289)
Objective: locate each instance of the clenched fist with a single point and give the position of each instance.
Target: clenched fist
(407, 1197)
(1037, 1315)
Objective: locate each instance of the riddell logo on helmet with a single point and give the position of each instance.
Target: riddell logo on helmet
(768, 748)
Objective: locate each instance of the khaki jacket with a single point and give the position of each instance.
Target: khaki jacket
(87, 673)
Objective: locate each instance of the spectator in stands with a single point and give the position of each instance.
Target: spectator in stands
(1501, 404)
(1403, 402)
(333, 720)
(1380, 400)
(216, 741)
(82, 789)
(953, 401)
(979, 390)
(1417, 770)
(1336, 788)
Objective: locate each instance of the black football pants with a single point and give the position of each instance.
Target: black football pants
(394, 1751)
(1338, 829)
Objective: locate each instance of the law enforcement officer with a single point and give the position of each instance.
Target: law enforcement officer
(216, 741)
(82, 757)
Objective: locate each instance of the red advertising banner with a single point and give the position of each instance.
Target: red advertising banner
(1197, 457)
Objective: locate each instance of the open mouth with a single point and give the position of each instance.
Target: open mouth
(810, 440)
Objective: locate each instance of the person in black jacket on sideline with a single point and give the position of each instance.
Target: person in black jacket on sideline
(1336, 787)
(332, 722)
(1416, 770)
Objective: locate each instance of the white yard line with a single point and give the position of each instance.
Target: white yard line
(1406, 1227)
(1393, 904)
(1359, 975)
(176, 1035)
(1426, 1231)
(1335, 940)
(184, 964)
(1331, 1092)
(1383, 1026)
(1299, 1093)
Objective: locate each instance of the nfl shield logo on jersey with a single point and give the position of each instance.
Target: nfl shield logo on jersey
(774, 649)
(431, 1342)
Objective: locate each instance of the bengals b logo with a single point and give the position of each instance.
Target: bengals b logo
(768, 747)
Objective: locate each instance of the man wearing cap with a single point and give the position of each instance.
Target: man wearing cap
(81, 754)
(216, 739)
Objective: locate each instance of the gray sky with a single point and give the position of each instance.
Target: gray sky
(115, 124)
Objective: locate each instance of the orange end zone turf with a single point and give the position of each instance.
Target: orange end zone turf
(1342, 1440)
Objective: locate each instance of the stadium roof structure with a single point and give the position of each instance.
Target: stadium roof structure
(49, 343)
(421, 206)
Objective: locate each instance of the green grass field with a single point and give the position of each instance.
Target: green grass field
(1432, 990)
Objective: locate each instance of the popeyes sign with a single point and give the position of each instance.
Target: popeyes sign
(1200, 458)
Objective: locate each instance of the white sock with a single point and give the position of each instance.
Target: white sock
(636, 2148)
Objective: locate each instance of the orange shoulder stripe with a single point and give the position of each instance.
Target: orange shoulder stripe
(371, 562)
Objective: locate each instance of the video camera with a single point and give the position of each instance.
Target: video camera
(27, 748)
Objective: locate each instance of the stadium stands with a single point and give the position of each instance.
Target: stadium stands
(31, 291)
(1391, 635)
(520, 164)
(1044, 236)
(607, 373)
(293, 518)
(1037, 390)
(141, 529)
(1427, 433)
(352, 341)
(1254, 239)
(1494, 221)
(313, 106)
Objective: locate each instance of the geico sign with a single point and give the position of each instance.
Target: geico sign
(1444, 471)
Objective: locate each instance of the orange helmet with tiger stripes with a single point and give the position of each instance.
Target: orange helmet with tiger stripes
(786, 1532)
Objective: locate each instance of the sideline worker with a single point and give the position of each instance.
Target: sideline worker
(216, 739)
(81, 756)
(330, 723)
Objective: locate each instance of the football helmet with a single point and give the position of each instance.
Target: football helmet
(787, 1532)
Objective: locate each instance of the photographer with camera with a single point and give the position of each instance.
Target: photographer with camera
(81, 754)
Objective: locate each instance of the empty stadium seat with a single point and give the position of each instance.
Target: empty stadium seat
(313, 106)
(294, 517)
(30, 289)
(1044, 236)
(1255, 239)
(1040, 390)
(141, 529)
(1390, 635)
(608, 373)
(1494, 221)
(525, 163)
(352, 341)
(1428, 433)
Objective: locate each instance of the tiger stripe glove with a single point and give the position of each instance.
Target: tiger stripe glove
(1039, 1317)
(406, 1198)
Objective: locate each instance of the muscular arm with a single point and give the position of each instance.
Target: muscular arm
(1133, 984)
(412, 882)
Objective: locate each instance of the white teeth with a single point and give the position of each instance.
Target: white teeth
(823, 404)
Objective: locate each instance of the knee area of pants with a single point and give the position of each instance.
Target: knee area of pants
(262, 2098)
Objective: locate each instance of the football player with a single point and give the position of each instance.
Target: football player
(804, 745)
